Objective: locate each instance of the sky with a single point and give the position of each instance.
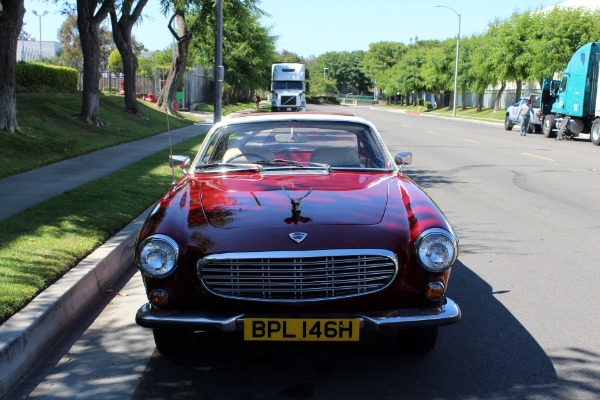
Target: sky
(314, 27)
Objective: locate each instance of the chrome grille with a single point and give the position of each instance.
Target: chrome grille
(288, 100)
(293, 276)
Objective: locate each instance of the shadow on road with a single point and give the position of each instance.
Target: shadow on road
(488, 352)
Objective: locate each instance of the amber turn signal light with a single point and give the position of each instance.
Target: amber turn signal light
(435, 291)
(158, 298)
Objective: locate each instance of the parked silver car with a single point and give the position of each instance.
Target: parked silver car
(512, 114)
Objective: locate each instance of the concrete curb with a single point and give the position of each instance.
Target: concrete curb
(28, 334)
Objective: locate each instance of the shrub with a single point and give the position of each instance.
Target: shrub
(39, 77)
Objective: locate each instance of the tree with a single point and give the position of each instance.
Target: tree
(71, 54)
(288, 57)
(11, 21)
(182, 36)
(343, 67)
(438, 68)
(115, 62)
(90, 14)
(24, 35)
(121, 28)
(248, 51)
(479, 71)
(201, 19)
(380, 57)
(556, 38)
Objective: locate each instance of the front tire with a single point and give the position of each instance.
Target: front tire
(595, 132)
(418, 341)
(548, 126)
(173, 343)
(507, 124)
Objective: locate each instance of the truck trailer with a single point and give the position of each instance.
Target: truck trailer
(288, 87)
(571, 105)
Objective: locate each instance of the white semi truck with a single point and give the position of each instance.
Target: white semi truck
(288, 87)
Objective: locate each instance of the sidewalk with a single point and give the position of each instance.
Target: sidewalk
(26, 336)
(19, 192)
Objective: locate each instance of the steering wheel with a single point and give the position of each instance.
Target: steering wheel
(253, 155)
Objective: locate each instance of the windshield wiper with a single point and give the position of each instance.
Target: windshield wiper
(279, 162)
(228, 165)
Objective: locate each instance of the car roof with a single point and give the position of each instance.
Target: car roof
(291, 116)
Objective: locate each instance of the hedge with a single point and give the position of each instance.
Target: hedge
(39, 77)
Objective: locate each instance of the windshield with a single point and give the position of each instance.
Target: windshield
(295, 144)
(295, 85)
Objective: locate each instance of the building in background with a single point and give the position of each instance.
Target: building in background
(29, 50)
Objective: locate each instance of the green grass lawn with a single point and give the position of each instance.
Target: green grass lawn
(51, 133)
(486, 114)
(40, 244)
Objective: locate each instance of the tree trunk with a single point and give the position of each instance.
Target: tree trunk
(518, 91)
(89, 34)
(479, 102)
(497, 103)
(168, 94)
(122, 36)
(11, 21)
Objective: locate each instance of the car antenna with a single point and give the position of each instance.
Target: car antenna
(170, 150)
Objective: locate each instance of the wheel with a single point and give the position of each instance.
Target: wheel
(171, 342)
(595, 132)
(507, 124)
(548, 126)
(257, 157)
(418, 341)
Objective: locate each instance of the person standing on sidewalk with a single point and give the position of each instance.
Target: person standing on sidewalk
(525, 115)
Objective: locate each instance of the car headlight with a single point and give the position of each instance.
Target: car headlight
(436, 249)
(157, 256)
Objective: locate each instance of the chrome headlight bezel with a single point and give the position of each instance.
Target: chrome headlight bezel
(161, 246)
(445, 250)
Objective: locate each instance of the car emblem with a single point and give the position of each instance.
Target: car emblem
(298, 236)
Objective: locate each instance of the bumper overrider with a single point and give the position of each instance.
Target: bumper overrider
(151, 317)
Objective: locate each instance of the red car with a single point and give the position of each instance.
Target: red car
(296, 226)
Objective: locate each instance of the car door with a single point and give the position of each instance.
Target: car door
(514, 111)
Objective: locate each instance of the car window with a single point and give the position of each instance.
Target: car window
(339, 144)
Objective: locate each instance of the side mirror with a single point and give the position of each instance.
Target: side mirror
(404, 158)
(182, 162)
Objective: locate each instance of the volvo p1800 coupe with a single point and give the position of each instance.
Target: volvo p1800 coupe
(296, 227)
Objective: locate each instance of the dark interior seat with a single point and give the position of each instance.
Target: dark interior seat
(336, 156)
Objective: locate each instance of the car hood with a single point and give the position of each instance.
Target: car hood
(339, 198)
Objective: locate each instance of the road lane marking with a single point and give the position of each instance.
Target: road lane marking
(470, 141)
(540, 157)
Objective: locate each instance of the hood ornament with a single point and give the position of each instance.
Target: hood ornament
(296, 200)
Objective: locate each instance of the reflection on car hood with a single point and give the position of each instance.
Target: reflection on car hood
(339, 198)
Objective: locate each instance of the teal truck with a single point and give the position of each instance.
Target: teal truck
(571, 105)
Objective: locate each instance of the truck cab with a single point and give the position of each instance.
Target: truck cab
(570, 104)
(288, 87)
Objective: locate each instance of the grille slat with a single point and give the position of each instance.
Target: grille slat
(309, 275)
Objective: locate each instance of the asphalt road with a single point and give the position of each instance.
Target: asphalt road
(526, 210)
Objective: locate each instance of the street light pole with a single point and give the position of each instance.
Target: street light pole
(456, 61)
(40, 15)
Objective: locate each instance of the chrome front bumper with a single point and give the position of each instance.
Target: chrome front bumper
(150, 317)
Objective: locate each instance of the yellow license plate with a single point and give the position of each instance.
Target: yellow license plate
(292, 329)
